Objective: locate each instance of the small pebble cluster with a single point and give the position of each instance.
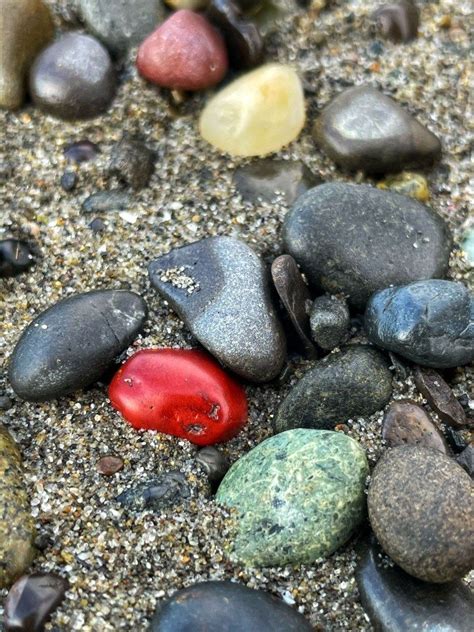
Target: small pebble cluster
(264, 415)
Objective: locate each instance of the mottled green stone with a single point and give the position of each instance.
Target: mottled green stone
(299, 496)
(16, 524)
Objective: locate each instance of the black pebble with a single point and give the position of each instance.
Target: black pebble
(15, 257)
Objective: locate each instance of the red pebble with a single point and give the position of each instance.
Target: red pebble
(180, 392)
(184, 53)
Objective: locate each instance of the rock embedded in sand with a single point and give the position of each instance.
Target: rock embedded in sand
(181, 392)
(329, 322)
(257, 114)
(221, 289)
(224, 606)
(429, 322)
(398, 21)
(166, 490)
(421, 510)
(73, 78)
(15, 257)
(362, 129)
(109, 465)
(17, 530)
(132, 162)
(26, 27)
(81, 151)
(185, 53)
(407, 423)
(214, 463)
(306, 497)
(71, 344)
(355, 240)
(354, 382)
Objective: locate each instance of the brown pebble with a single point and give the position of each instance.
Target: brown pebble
(398, 21)
(440, 397)
(109, 465)
(406, 422)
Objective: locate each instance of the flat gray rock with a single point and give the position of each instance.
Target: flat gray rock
(364, 129)
(221, 290)
(354, 240)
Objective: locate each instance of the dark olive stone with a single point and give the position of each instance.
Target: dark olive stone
(347, 384)
(362, 129)
(430, 322)
(105, 201)
(71, 344)
(165, 490)
(73, 78)
(264, 180)
(242, 37)
(15, 257)
(398, 21)
(81, 151)
(406, 422)
(295, 296)
(395, 601)
(68, 180)
(133, 162)
(440, 397)
(329, 322)
(31, 601)
(354, 240)
(466, 460)
(421, 510)
(226, 607)
(214, 463)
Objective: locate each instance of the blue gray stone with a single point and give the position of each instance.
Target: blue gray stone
(165, 490)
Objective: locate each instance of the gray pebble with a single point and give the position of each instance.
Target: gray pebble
(165, 490)
(104, 201)
(329, 321)
(133, 162)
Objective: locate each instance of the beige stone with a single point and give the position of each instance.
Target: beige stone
(193, 5)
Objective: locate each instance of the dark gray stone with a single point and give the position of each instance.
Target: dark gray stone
(466, 459)
(104, 201)
(395, 601)
(71, 344)
(164, 491)
(364, 129)
(351, 383)
(429, 322)
(398, 21)
(73, 78)
(133, 162)
(121, 24)
(68, 181)
(355, 240)
(329, 320)
(214, 463)
(440, 397)
(226, 607)
(16, 257)
(220, 288)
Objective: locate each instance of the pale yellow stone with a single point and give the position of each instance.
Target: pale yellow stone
(257, 114)
(407, 183)
(193, 5)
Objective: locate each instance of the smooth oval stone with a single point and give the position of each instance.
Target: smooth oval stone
(105, 201)
(31, 600)
(364, 129)
(421, 510)
(266, 179)
(15, 257)
(133, 162)
(26, 27)
(73, 78)
(72, 343)
(298, 495)
(398, 21)
(257, 114)
(347, 384)
(184, 53)
(396, 601)
(226, 607)
(354, 240)
(407, 183)
(166, 490)
(17, 531)
(221, 289)
(68, 181)
(440, 397)
(329, 322)
(81, 151)
(121, 24)
(406, 422)
(429, 322)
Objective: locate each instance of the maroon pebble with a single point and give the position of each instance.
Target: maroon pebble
(109, 465)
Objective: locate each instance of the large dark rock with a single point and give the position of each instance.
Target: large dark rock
(226, 607)
(421, 510)
(354, 239)
(429, 322)
(351, 383)
(220, 288)
(395, 601)
(364, 129)
(71, 344)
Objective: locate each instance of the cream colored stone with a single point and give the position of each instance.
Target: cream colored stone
(257, 114)
(193, 5)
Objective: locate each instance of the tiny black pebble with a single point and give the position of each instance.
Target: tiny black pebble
(68, 180)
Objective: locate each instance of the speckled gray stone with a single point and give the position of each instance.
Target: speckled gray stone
(71, 344)
(299, 496)
(329, 321)
(132, 162)
(429, 322)
(121, 24)
(364, 129)
(220, 288)
(347, 384)
(106, 201)
(421, 510)
(354, 240)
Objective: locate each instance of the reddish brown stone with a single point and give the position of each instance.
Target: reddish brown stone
(406, 422)
(440, 397)
(109, 465)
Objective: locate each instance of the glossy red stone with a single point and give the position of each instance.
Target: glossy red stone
(185, 53)
(180, 392)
